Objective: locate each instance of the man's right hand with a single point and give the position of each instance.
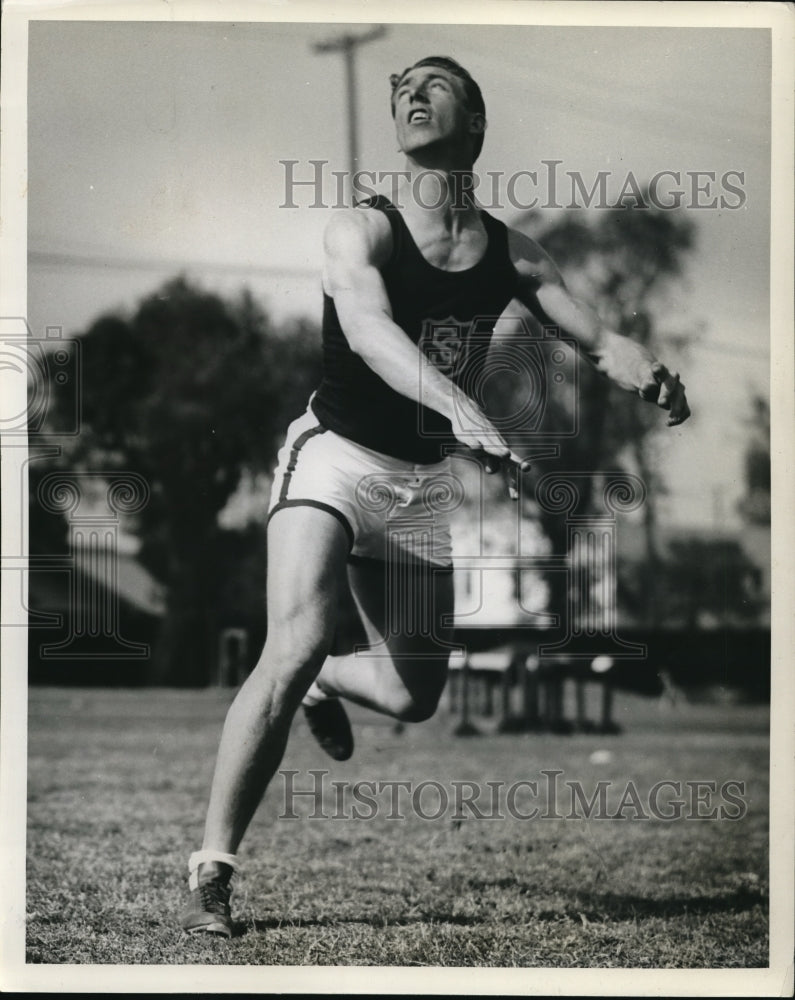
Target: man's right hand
(473, 428)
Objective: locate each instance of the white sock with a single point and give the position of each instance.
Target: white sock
(200, 857)
(314, 695)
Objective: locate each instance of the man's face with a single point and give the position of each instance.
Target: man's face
(430, 106)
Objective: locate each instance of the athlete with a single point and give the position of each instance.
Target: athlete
(363, 481)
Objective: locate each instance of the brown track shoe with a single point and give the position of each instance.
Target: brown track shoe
(329, 724)
(208, 911)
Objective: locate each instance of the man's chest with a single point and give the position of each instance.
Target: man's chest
(446, 250)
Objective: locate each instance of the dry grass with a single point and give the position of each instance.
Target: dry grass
(118, 781)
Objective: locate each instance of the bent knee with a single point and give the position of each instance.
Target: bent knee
(298, 641)
(416, 713)
(291, 661)
(415, 708)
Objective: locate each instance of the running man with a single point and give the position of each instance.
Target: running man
(374, 428)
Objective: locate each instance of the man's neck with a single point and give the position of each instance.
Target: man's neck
(442, 192)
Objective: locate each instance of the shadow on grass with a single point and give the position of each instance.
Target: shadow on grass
(607, 908)
(610, 907)
(603, 907)
(277, 923)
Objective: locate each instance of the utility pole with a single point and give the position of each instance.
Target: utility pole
(347, 45)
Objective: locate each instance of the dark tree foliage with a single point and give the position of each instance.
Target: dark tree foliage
(755, 504)
(703, 582)
(48, 531)
(623, 262)
(188, 392)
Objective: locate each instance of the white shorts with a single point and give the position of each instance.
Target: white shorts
(389, 507)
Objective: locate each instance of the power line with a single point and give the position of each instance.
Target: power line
(49, 258)
(347, 45)
(735, 352)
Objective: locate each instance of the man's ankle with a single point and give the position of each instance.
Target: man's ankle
(314, 695)
(208, 864)
(211, 871)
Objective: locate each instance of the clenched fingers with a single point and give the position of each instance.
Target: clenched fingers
(680, 411)
(514, 466)
(667, 390)
(652, 382)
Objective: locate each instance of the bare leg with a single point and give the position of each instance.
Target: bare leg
(405, 672)
(307, 551)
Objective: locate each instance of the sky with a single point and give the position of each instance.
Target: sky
(156, 148)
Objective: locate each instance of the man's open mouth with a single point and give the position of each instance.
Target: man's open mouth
(419, 115)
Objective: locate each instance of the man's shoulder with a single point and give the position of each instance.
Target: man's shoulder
(529, 257)
(361, 227)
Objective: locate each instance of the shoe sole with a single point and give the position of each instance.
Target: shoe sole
(335, 752)
(219, 929)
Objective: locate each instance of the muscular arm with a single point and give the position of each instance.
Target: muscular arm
(356, 244)
(622, 360)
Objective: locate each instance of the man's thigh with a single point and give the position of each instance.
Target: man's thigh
(307, 553)
(401, 612)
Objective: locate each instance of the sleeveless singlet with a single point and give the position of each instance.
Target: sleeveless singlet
(450, 315)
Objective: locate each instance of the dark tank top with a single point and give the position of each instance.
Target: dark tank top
(450, 315)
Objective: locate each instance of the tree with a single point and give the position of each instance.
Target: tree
(711, 580)
(189, 392)
(754, 507)
(622, 261)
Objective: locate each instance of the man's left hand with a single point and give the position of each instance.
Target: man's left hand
(669, 393)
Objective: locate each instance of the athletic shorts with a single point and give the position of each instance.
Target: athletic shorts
(388, 507)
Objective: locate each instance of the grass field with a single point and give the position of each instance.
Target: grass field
(117, 790)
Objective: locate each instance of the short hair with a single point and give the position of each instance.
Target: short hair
(474, 97)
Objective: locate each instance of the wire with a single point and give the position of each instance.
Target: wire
(50, 258)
